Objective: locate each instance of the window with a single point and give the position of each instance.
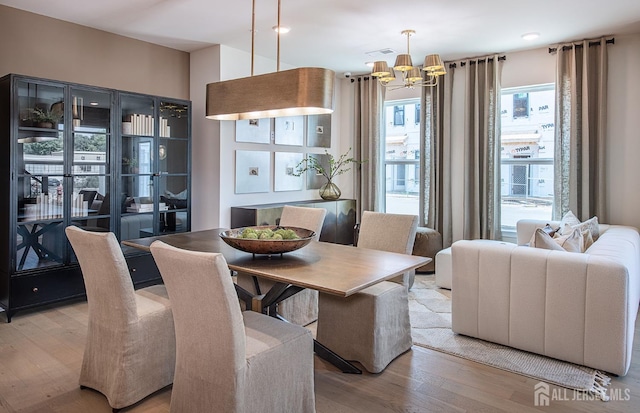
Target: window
(402, 154)
(398, 115)
(527, 151)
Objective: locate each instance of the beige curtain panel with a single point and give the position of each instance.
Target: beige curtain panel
(435, 160)
(580, 127)
(368, 107)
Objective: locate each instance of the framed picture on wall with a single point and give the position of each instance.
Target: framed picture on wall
(319, 131)
(253, 171)
(314, 179)
(253, 130)
(285, 165)
(289, 130)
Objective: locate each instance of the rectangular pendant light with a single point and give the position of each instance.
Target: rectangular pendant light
(302, 91)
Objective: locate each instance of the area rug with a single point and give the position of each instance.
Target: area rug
(430, 312)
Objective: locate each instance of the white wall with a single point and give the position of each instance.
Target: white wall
(205, 153)
(623, 186)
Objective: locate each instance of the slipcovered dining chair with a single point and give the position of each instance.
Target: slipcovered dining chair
(372, 326)
(301, 308)
(229, 360)
(130, 348)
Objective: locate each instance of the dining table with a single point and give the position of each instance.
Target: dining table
(337, 269)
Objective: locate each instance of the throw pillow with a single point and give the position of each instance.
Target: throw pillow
(593, 226)
(541, 239)
(572, 241)
(572, 221)
(588, 239)
(568, 219)
(547, 229)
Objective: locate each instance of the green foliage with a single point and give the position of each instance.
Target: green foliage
(90, 143)
(43, 148)
(42, 115)
(336, 166)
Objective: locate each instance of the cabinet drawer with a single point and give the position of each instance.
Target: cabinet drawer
(143, 269)
(29, 290)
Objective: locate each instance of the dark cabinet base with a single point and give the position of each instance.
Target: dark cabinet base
(33, 290)
(338, 223)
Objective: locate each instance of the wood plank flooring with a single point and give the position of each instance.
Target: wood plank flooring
(41, 354)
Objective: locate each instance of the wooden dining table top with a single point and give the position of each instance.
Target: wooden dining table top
(330, 268)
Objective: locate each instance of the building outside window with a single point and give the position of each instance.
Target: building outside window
(402, 154)
(398, 115)
(527, 152)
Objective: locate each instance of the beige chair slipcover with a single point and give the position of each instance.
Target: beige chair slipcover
(130, 349)
(372, 326)
(301, 308)
(229, 360)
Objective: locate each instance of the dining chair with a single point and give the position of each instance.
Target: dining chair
(372, 326)
(228, 360)
(301, 308)
(130, 348)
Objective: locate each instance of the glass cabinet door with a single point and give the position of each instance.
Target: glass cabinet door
(154, 166)
(137, 169)
(90, 195)
(39, 157)
(173, 160)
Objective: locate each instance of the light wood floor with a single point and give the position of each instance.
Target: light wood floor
(41, 353)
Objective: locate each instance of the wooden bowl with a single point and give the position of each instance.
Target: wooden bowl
(267, 246)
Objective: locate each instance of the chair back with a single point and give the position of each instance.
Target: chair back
(110, 293)
(303, 217)
(388, 232)
(210, 336)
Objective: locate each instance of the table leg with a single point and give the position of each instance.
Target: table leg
(328, 355)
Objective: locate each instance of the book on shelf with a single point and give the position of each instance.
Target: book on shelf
(165, 129)
(140, 124)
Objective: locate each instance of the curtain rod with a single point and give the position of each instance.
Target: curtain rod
(578, 46)
(473, 62)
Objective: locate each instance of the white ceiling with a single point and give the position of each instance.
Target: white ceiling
(337, 34)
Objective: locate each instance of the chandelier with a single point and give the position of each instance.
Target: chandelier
(411, 75)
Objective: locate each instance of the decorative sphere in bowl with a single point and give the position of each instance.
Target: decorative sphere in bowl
(267, 240)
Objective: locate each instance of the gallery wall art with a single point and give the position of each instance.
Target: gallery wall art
(253, 171)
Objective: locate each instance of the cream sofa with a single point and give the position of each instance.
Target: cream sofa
(577, 307)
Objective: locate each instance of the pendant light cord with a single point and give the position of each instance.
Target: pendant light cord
(278, 42)
(253, 31)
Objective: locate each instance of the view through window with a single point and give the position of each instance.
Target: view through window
(527, 149)
(402, 155)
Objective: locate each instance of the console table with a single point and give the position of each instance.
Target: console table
(338, 223)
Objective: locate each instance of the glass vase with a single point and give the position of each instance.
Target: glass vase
(330, 191)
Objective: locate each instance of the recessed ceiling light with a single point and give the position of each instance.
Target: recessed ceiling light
(93, 103)
(530, 36)
(282, 30)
